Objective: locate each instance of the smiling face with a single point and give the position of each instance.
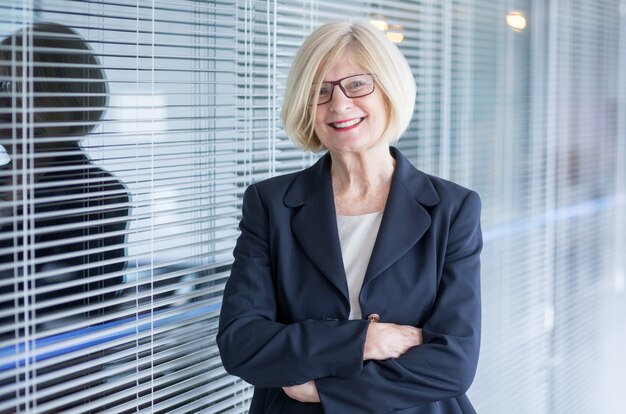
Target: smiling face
(350, 124)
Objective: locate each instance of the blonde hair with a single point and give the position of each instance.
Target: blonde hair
(371, 50)
(67, 73)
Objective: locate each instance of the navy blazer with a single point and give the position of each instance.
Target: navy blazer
(284, 318)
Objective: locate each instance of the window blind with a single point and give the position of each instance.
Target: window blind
(117, 248)
(125, 163)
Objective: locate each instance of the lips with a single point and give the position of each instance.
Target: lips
(348, 123)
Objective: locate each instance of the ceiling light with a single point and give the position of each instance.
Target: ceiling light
(516, 21)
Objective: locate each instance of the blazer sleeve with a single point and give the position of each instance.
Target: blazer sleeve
(444, 365)
(253, 344)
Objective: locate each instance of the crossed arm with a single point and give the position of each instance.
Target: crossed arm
(353, 364)
(383, 341)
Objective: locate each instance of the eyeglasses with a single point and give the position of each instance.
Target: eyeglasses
(355, 86)
(5, 87)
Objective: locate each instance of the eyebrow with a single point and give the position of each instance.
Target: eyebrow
(343, 77)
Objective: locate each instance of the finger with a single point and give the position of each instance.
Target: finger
(287, 391)
(292, 393)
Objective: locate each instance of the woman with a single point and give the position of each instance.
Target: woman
(355, 286)
(76, 211)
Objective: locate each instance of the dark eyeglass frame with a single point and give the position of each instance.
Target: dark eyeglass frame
(338, 83)
(5, 86)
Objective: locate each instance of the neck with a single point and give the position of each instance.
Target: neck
(368, 169)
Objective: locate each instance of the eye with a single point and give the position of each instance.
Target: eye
(356, 84)
(325, 90)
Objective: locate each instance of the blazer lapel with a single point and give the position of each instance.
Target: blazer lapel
(314, 224)
(405, 219)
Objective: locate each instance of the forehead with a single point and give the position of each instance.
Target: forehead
(7, 68)
(345, 65)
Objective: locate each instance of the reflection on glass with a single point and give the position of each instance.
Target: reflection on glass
(62, 217)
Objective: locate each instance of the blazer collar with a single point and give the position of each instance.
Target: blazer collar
(314, 224)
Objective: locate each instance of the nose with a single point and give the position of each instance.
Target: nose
(5, 112)
(339, 101)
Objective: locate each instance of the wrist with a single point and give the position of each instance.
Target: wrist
(368, 346)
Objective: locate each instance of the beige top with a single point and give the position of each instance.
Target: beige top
(357, 235)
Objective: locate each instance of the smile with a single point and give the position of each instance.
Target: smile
(346, 124)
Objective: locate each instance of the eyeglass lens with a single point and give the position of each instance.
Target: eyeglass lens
(355, 86)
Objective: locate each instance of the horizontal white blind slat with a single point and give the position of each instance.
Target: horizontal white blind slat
(191, 117)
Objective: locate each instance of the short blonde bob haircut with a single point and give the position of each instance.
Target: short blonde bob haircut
(370, 49)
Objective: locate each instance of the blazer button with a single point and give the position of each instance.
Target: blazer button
(374, 317)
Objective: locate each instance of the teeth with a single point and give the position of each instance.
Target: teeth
(347, 123)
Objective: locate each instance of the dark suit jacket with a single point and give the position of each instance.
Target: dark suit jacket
(284, 317)
(92, 205)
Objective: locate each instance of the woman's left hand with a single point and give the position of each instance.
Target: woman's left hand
(306, 393)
